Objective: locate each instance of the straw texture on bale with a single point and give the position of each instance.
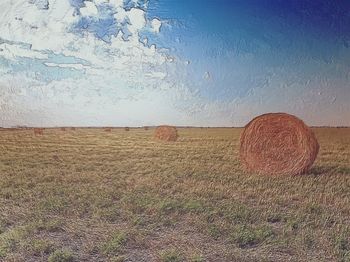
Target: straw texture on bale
(278, 143)
(166, 133)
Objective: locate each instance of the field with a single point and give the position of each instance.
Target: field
(91, 195)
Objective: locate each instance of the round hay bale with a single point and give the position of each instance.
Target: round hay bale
(166, 133)
(38, 131)
(108, 129)
(127, 129)
(278, 143)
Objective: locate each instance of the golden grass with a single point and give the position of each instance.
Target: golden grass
(97, 196)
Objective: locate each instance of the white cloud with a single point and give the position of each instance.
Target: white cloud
(49, 31)
(116, 3)
(99, 2)
(89, 9)
(72, 66)
(156, 25)
(44, 30)
(137, 18)
(121, 15)
(117, 76)
(13, 52)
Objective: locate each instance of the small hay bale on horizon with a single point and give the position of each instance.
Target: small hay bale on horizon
(108, 129)
(63, 129)
(166, 133)
(278, 143)
(38, 131)
(127, 128)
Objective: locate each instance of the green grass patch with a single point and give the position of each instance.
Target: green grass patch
(39, 247)
(55, 205)
(11, 240)
(247, 236)
(49, 225)
(62, 255)
(197, 258)
(342, 245)
(114, 244)
(171, 256)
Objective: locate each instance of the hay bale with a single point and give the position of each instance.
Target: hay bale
(166, 133)
(63, 129)
(278, 143)
(108, 129)
(38, 131)
(146, 128)
(127, 129)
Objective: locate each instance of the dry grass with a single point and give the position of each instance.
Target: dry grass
(89, 195)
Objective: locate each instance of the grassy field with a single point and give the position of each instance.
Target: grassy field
(90, 195)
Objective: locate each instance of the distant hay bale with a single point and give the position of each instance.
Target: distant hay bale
(278, 143)
(166, 133)
(63, 129)
(146, 128)
(38, 131)
(108, 129)
(127, 129)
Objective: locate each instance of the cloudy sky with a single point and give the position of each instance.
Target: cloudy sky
(181, 62)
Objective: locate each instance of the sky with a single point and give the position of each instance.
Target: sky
(201, 63)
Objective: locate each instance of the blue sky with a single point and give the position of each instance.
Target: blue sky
(210, 63)
(295, 36)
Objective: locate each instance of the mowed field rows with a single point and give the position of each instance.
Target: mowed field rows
(90, 195)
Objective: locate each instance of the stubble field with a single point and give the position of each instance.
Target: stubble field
(91, 195)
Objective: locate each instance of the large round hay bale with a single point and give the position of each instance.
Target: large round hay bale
(166, 133)
(278, 143)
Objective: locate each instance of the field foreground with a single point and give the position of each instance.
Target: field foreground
(90, 195)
